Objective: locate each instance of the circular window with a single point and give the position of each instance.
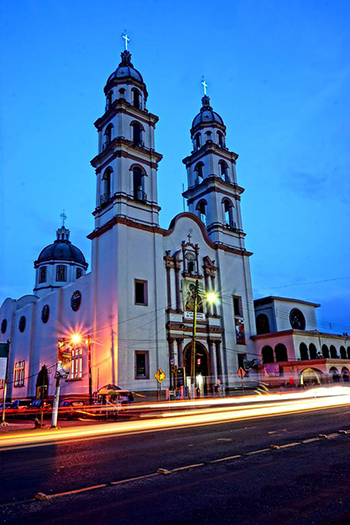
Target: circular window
(297, 319)
(45, 313)
(22, 324)
(3, 326)
(75, 301)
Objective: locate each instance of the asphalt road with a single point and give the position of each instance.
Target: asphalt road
(299, 484)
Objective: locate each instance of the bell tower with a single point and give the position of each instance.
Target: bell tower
(213, 193)
(126, 163)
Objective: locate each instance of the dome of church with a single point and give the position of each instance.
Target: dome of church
(62, 250)
(207, 115)
(125, 69)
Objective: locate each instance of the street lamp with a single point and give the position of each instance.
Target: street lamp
(75, 339)
(211, 298)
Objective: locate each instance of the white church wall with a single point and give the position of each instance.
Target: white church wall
(283, 309)
(141, 328)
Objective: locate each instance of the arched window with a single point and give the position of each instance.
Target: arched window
(106, 185)
(108, 135)
(312, 351)
(138, 184)
(137, 130)
(325, 351)
(122, 91)
(42, 274)
(262, 324)
(197, 141)
(342, 352)
(228, 212)
(267, 355)
(79, 273)
(223, 170)
(109, 100)
(333, 350)
(281, 353)
(202, 211)
(61, 273)
(348, 352)
(191, 263)
(136, 98)
(220, 139)
(304, 353)
(208, 136)
(199, 173)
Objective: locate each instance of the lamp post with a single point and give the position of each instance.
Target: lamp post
(64, 362)
(211, 298)
(88, 345)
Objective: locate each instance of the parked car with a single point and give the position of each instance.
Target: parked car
(71, 408)
(21, 404)
(38, 405)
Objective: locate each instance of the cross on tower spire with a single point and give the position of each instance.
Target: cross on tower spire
(205, 85)
(63, 217)
(126, 40)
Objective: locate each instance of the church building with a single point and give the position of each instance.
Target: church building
(135, 309)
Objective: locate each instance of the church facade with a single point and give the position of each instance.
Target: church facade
(135, 309)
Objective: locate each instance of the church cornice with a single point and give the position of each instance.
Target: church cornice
(210, 148)
(115, 149)
(122, 197)
(127, 222)
(126, 81)
(220, 187)
(224, 247)
(122, 106)
(161, 231)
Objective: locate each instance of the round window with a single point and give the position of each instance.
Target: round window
(75, 301)
(297, 319)
(45, 313)
(22, 324)
(3, 326)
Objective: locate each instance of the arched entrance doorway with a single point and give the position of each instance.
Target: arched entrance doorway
(202, 367)
(42, 383)
(310, 377)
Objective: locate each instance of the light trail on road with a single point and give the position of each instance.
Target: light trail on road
(178, 419)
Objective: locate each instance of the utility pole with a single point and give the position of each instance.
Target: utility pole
(5, 353)
(194, 334)
(88, 344)
(64, 361)
(56, 401)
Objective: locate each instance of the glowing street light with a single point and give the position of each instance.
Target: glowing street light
(76, 338)
(212, 297)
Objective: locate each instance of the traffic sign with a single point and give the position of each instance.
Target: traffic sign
(160, 376)
(241, 372)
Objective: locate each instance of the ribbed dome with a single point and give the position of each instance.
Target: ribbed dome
(206, 114)
(62, 250)
(125, 69)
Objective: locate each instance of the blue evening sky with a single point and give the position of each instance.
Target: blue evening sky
(278, 73)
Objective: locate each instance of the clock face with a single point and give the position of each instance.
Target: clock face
(297, 319)
(75, 301)
(45, 313)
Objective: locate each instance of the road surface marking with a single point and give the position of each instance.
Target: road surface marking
(257, 451)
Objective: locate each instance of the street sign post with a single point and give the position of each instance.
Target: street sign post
(160, 375)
